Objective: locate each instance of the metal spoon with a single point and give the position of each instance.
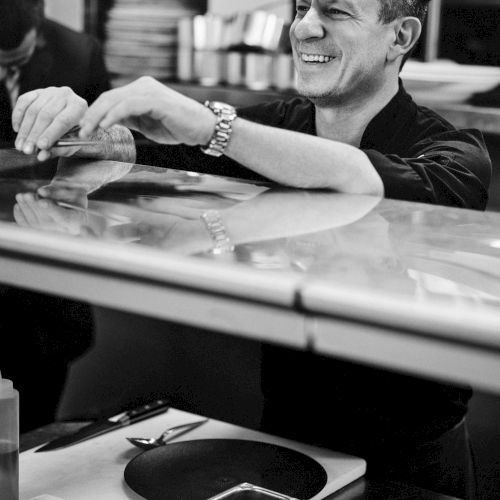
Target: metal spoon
(178, 430)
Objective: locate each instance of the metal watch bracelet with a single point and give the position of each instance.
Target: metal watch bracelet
(217, 232)
(226, 114)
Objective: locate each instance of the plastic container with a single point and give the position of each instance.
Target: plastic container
(9, 441)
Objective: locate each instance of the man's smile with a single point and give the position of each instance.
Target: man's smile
(315, 58)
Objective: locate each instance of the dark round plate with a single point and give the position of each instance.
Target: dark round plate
(200, 469)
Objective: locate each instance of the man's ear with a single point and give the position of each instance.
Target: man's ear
(407, 32)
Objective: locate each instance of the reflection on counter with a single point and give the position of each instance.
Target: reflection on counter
(390, 247)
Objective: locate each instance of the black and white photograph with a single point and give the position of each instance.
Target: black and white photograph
(249, 250)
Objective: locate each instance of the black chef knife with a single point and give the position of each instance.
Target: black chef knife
(108, 424)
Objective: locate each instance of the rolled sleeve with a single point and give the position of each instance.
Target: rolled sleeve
(450, 169)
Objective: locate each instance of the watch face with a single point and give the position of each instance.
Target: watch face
(221, 106)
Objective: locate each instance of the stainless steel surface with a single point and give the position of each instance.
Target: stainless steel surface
(308, 266)
(166, 436)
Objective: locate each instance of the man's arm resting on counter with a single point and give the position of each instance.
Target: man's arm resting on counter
(301, 160)
(298, 160)
(290, 158)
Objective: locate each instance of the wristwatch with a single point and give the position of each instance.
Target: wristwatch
(217, 232)
(223, 128)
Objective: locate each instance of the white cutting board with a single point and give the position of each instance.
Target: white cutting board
(93, 469)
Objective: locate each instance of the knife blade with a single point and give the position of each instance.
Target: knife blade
(105, 425)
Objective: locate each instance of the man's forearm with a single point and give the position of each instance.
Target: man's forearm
(304, 161)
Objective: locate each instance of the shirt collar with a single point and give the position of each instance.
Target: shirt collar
(386, 126)
(8, 73)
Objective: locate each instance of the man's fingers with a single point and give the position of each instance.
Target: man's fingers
(21, 106)
(44, 155)
(19, 216)
(24, 201)
(61, 122)
(53, 212)
(43, 116)
(62, 193)
(99, 109)
(42, 120)
(29, 119)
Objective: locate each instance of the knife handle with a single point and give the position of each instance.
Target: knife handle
(145, 411)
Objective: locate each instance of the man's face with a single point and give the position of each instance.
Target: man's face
(19, 55)
(339, 48)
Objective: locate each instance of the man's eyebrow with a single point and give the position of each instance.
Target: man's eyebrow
(348, 4)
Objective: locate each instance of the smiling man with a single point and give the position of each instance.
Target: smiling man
(337, 58)
(366, 133)
(355, 130)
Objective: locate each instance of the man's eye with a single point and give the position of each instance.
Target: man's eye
(337, 13)
(302, 9)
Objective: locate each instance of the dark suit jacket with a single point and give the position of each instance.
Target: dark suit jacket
(63, 58)
(66, 58)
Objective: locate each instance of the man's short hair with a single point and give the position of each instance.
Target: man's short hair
(17, 18)
(392, 9)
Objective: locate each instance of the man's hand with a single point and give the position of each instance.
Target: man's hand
(43, 116)
(158, 112)
(30, 211)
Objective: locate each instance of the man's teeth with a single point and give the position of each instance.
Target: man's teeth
(316, 58)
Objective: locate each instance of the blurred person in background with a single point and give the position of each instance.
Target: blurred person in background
(37, 52)
(41, 334)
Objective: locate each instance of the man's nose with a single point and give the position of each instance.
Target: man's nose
(310, 26)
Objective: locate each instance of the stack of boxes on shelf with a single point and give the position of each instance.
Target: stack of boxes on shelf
(141, 37)
(174, 40)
